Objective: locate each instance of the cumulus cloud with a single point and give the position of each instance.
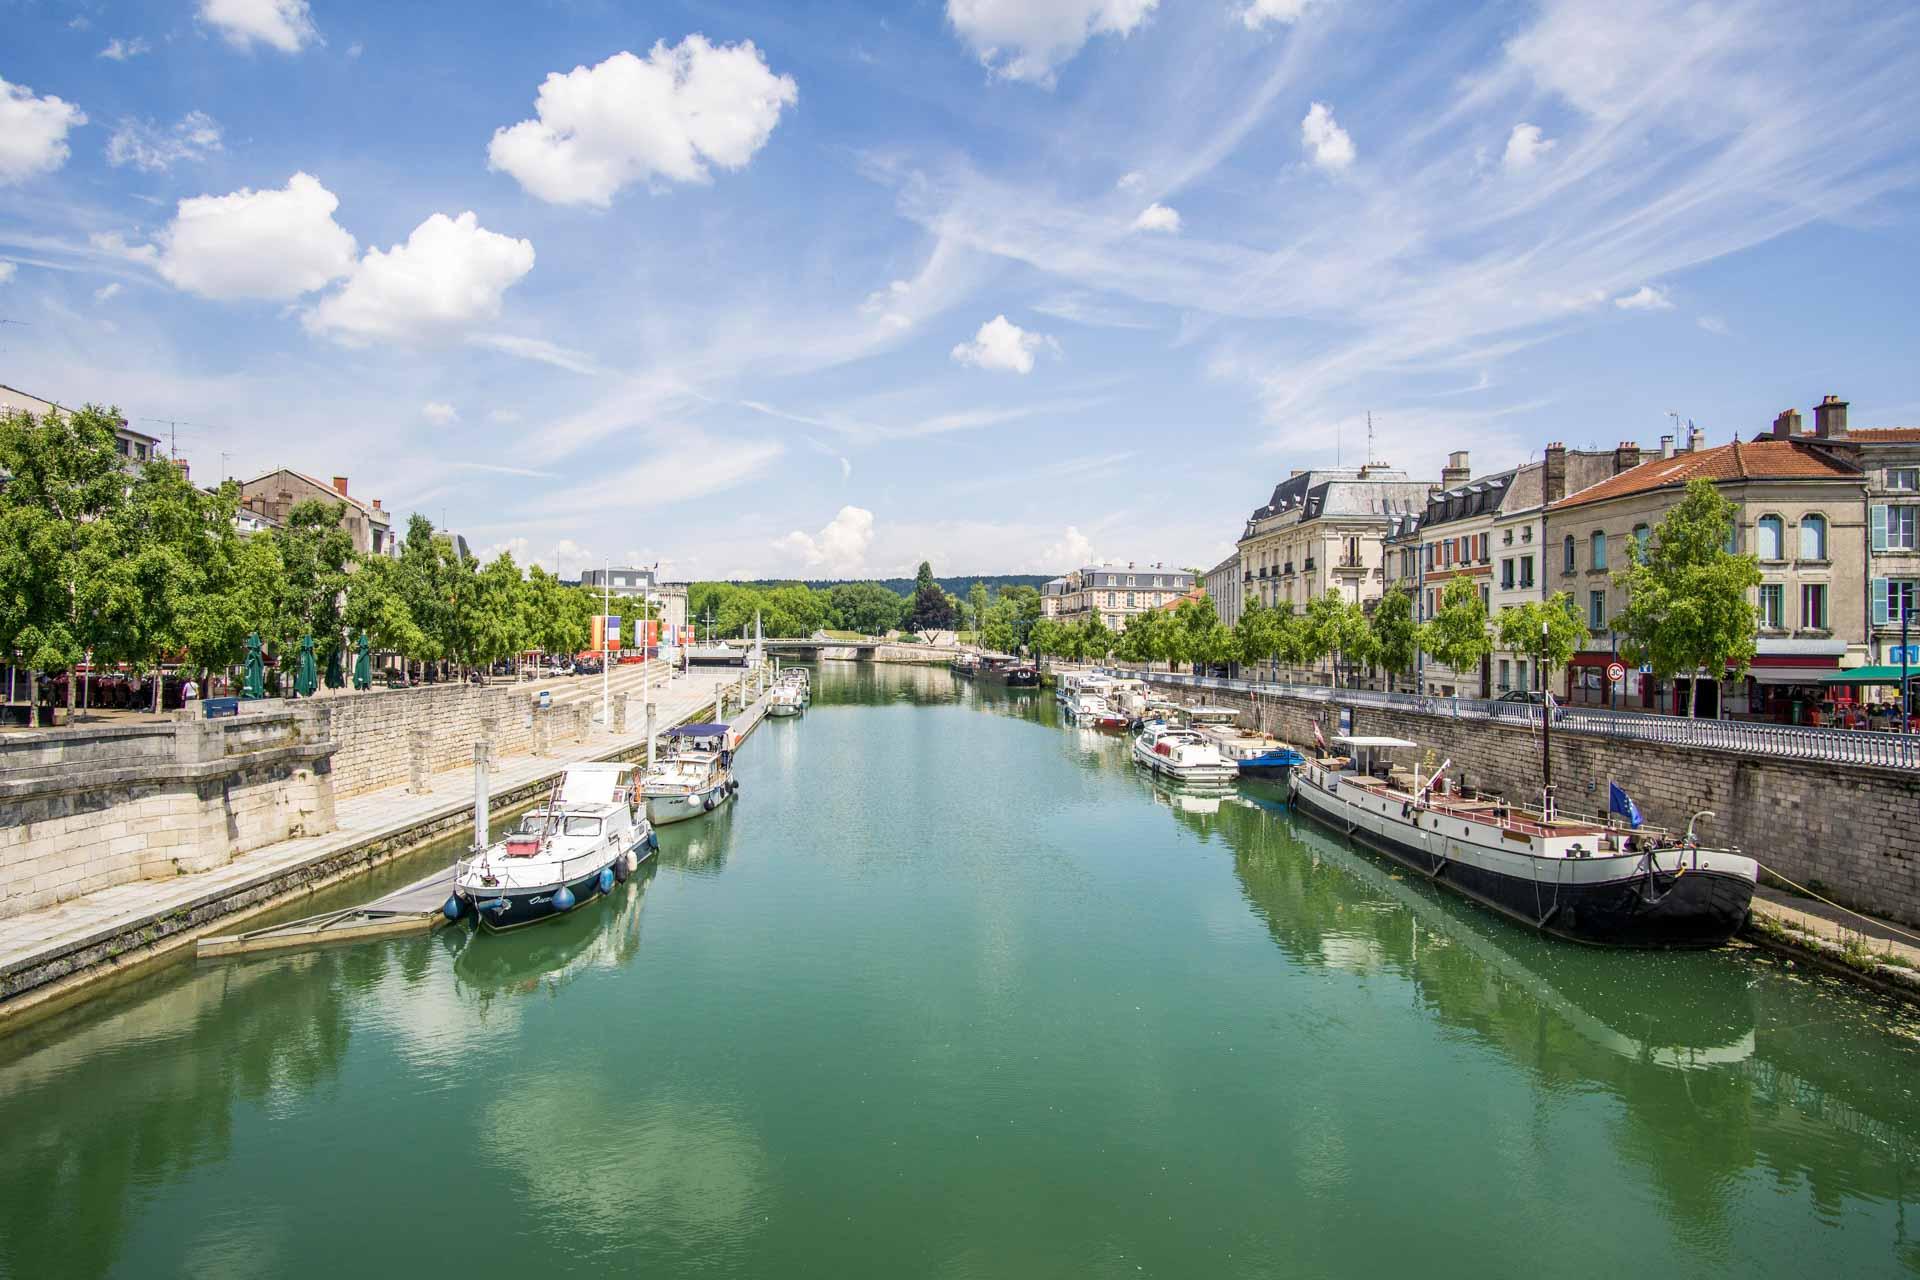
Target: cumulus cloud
(1284, 12)
(439, 412)
(840, 548)
(107, 292)
(1326, 142)
(120, 50)
(271, 244)
(1157, 217)
(667, 116)
(1029, 39)
(1132, 180)
(448, 276)
(1524, 146)
(33, 132)
(1003, 345)
(286, 25)
(1645, 298)
(157, 148)
(1073, 551)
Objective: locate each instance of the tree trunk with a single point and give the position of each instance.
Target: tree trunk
(1693, 697)
(33, 697)
(71, 682)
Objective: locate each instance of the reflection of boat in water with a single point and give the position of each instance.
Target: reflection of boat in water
(549, 958)
(698, 847)
(588, 837)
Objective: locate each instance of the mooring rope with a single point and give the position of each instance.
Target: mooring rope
(1830, 902)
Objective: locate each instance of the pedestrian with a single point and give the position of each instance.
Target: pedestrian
(189, 691)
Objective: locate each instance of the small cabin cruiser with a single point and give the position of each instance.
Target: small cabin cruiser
(798, 678)
(1181, 754)
(1091, 708)
(785, 699)
(695, 777)
(588, 837)
(1588, 881)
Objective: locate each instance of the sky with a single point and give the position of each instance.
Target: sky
(812, 288)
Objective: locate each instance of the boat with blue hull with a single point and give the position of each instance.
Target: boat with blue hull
(589, 836)
(1271, 766)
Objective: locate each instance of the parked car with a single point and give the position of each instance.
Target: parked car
(1530, 698)
(587, 667)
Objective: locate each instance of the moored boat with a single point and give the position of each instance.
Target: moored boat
(1585, 881)
(588, 837)
(1181, 754)
(785, 699)
(694, 778)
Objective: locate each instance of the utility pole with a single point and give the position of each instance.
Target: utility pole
(606, 611)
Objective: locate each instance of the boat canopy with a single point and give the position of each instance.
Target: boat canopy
(585, 784)
(708, 730)
(1356, 741)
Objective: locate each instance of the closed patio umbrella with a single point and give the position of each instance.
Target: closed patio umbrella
(255, 684)
(308, 678)
(336, 677)
(363, 665)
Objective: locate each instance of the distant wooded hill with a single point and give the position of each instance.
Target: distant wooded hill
(957, 586)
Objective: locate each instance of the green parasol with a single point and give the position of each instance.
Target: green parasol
(255, 685)
(336, 678)
(363, 665)
(308, 678)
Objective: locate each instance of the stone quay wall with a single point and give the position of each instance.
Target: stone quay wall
(1852, 832)
(84, 809)
(389, 736)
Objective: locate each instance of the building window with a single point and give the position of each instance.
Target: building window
(1505, 667)
(1596, 611)
(1526, 572)
(1904, 478)
(1520, 675)
(1894, 528)
(1813, 605)
(1642, 537)
(1129, 599)
(1772, 606)
(1894, 598)
(1813, 537)
(1599, 549)
(1567, 549)
(1767, 538)
(1506, 575)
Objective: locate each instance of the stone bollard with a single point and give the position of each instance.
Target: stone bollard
(620, 715)
(418, 771)
(542, 719)
(650, 733)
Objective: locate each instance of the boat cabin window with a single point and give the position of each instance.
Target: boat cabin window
(583, 826)
(532, 824)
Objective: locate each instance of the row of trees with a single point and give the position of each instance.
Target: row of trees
(1001, 621)
(144, 569)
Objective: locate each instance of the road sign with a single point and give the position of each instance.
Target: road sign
(1616, 672)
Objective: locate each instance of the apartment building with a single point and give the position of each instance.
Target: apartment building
(1224, 588)
(1113, 592)
(137, 448)
(1325, 530)
(276, 493)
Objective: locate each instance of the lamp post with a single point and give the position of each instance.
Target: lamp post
(1906, 658)
(606, 611)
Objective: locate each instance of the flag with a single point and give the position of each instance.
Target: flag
(1319, 739)
(1618, 801)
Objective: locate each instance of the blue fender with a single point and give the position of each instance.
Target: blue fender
(563, 900)
(606, 879)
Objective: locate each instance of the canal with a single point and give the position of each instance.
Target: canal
(953, 991)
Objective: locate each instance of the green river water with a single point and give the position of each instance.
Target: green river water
(954, 991)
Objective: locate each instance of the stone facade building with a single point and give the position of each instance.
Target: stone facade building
(274, 494)
(1323, 531)
(1112, 592)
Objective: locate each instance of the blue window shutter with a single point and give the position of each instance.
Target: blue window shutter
(1879, 528)
(1880, 616)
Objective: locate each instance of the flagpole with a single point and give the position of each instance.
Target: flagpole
(1546, 727)
(606, 610)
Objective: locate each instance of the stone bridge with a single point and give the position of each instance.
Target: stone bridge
(830, 650)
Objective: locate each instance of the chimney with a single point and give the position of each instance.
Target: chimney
(1456, 471)
(1553, 474)
(1626, 456)
(1666, 446)
(1787, 425)
(376, 504)
(1696, 440)
(1295, 472)
(340, 485)
(1830, 418)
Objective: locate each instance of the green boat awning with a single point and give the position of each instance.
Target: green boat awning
(1868, 675)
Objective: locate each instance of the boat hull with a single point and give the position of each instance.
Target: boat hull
(498, 910)
(1202, 773)
(783, 708)
(664, 810)
(1678, 908)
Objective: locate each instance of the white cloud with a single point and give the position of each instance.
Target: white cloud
(447, 277)
(627, 120)
(1325, 141)
(33, 132)
(1003, 345)
(355, 49)
(846, 468)
(503, 416)
(286, 25)
(1132, 180)
(840, 548)
(271, 244)
(1645, 298)
(439, 412)
(107, 292)
(120, 50)
(886, 303)
(1029, 39)
(1157, 217)
(1525, 145)
(1285, 12)
(1714, 325)
(7, 270)
(538, 349)
(155, 148)
(1073, 551)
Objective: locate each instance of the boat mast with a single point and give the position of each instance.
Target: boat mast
(1546, 726)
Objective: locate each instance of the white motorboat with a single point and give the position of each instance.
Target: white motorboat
(1090, 708)
(1181, 754)
(695, 777)
(588, 837)
(798, 679)
(785, 699)
(1589, 881)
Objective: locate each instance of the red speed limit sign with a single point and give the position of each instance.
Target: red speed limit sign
(1616, 672)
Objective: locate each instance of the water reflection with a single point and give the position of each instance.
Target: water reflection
(701, 845)
(541, 961)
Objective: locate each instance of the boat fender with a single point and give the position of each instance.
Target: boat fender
(563, 900)
(623, 867)
(454, 907)
(711, 799)
(606, 879)
(653, 841)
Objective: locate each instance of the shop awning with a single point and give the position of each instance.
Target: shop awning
(1869, 675)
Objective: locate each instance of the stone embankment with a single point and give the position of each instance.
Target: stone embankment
(1850, 831)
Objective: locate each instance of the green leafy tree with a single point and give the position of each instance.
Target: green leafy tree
(1097, 639)
(1045, 637)
(1024, 610)
(1457, 634)
(1689, 608)
(314, 554)
(1204, 638)
(932, 609)
(977, 606)
(1353, 640)
(376, 605)
(1396, 636)
(865, 607)
(501, 620)
(1548, 631)
(1320, 629)
(1254, 640)
(163, 543)
(558, 616)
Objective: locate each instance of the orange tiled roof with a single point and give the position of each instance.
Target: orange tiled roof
(1197, 594)
(1885, 435)
(1741, 460)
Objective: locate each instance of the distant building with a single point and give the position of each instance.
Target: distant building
(276, 493)
(1325, 530)
(1112, 592)
(1224, 588)
(619, 582)
(137, 448)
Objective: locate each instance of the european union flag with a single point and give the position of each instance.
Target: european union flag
(1618, 801)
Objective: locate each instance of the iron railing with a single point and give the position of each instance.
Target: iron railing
(1751, 737)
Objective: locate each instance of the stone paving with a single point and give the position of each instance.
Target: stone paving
(33, 938)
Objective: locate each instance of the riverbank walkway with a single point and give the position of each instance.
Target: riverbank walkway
(41, 938)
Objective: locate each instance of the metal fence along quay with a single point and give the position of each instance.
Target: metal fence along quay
(1840, 746)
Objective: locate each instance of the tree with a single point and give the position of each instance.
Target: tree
(1096, 639)
(865, 607)
(1396, 635)
(1457, 634)
(1045, 637)
(1353, 638)
(1688, 609)
(163, 541)
(1548, 631)
(1319, 629)
(314, 554)
(501, 620)
(376, 605)
(1024, 610)
(558, 617)
(977, 607)
(57, 532)
(1204, 638)
(932, 609)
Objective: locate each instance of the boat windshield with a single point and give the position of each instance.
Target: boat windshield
(583, 826)
(532, 824)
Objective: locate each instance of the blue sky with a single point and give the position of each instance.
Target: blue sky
(824, 289)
